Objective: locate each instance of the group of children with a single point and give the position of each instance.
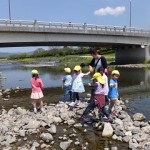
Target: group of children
(73, 85)
(101, 93)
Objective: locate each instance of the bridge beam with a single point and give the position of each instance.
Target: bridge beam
(132, 55)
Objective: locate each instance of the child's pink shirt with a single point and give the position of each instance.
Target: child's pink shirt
(36, 84)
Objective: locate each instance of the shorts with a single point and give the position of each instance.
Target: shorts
(113, 99)
(37, 95)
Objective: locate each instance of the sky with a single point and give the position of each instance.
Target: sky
(99, 12)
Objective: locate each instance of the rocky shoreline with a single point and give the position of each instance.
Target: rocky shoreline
(18, 123)
(132, 66)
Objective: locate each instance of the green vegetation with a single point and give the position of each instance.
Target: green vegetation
(147, 62)
(66, 56)
(53, 52)
(18, 56)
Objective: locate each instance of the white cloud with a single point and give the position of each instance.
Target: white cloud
(110, 11)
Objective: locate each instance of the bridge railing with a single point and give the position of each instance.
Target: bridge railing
(71, 26)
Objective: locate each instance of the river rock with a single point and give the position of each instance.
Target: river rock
(52, 129)
(119, 133)
(33, 148)
(118, 121)
(77, 143)
(140, 137)
(133, 146)
(9, 139)
(64, 116)
(143, 124)
(22, 133)
(146, 146)
(7, 91)
(137, 123)
(114, 148)
(20, 111)
(65, 145)
(43, 145)
(70, 122)
(127, 138)
(108, 130)
(128, 126)
(47, 137)
(36, 144)
(33, 124)
(57, 119)
(138, 117)
(136, 130)
(146, 129)
(78, 125)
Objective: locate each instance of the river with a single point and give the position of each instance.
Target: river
(133, 86)
(134, 83)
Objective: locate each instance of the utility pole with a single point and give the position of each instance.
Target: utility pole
(9, 10)
(130, 14)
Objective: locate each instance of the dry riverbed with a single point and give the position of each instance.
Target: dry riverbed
(58, 127)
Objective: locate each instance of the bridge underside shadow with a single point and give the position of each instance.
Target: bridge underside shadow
(132, 55)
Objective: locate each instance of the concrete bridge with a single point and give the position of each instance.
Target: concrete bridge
(131, 44)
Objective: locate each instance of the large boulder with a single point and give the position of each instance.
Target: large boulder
(108, 130)
(138, 117)
(65, 145)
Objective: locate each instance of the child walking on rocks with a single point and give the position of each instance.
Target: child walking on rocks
(66, 85)
(113, 92)
(36, 94)
(77, 85)
(98, 98)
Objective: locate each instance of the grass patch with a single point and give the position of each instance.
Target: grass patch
(67, 61)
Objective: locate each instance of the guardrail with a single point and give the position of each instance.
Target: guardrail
(70, 26)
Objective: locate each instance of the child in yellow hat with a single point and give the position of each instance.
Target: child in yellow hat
(77, 84)
(113, 92)
(98, 98)
(99, 94)
(66, 85)
(36, 94)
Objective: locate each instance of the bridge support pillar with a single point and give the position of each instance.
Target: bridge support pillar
(132, 55)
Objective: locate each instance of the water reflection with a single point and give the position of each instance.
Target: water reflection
(134, 76)
(17, 75)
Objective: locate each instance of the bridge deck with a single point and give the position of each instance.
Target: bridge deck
(34, 26)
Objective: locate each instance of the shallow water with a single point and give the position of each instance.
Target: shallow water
(52, 95)
(133, 85)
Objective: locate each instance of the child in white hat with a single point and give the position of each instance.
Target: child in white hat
(66, 85)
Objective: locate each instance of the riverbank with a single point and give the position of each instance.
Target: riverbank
(56, 128)
(20, 98)
(69, 60)
(133, 66)
(59, 126)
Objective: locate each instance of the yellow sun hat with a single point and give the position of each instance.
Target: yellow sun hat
(67, 70)
(115, 72)
(98, 77)
(77, 68)
(34, 72)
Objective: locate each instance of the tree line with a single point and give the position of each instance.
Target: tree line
(56, 52)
